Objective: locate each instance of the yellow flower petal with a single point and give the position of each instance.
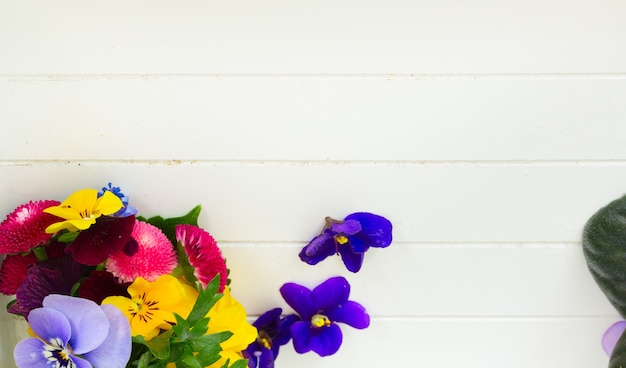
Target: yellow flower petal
(81, 209)
(107, 204)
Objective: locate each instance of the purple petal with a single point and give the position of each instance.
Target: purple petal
(358, 245)
(350, 313)
(351, 259)
(301, 334)
(268, 319)
(284, 335)
(347, 227)
(28, 353)
(101, 240)
(90, 324)
(326, 340)
(331, 293)
(321, 247)
(376, 230)
(80, 362)
(300, 299)
(612, 334)
(50, 324)
(114, 352)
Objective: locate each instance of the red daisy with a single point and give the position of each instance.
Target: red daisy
(203, 253)
(13, 271)
(155, 255)
(24, 228)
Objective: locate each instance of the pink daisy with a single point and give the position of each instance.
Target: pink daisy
(13, 271)
(203, 253)
(24, 228)
(155, 256)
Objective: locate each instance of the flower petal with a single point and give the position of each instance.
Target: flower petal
(301, 334)
(50, 324)
(28, 353)
(346, 227)
(115, 350)
(351, 259)
(105, 238)
(300, 299)
(612, 334)
(331, 293)
(89, 323)
(283, 336)
(376, 230)
(318, 249)
(107, 204)
(326, 340)
(350, 313)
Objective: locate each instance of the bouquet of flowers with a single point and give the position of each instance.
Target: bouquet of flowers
(102, 287)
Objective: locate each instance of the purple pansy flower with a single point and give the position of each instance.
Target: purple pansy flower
(612, 334)
(351, 238)
(273, 333)
(320, 310)
(77, 333)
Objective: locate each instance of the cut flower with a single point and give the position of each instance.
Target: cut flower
(152, 305)
(81, 209)
(273, 332)
(25, 227)
(350, 238)
(320, 310)
(75, 332)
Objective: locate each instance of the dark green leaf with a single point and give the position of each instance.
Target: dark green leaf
(68, 237)
(241, 363)
(168, 225)
(604, 246)
(159, 346)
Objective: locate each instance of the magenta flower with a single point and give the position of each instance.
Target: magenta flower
(320, 311)
(13, 271)
(350, 238)
(203, 254)
(155, 255)
(24, 228)
(77, 333)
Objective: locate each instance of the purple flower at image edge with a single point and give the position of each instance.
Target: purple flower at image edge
(612, 334)
(350, 238)
(75, 332)
(320, 310)
(273, 332)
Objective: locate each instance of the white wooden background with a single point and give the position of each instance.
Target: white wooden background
(487, 131)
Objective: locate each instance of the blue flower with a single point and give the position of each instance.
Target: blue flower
(320, 310)
(75, 333)
(350, 238)
(273, 333)
(125, 211)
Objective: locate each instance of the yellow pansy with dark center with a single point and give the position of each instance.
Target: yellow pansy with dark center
(81, 209)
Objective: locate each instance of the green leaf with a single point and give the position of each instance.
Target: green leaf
(210, 341)
(159, 346)
(168, 225)
(184, 268)
(68, 237)
(241, 363)
(604, 246)
(618, 356)
(206, 299)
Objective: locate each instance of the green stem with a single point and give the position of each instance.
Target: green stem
(40, 253)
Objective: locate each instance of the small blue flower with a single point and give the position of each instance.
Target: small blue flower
(320, 310)
(75, 333)
(273, 333)
(125, 211)
(350, 238)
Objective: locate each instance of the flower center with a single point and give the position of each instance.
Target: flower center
(265, 340)
(341, 239)
(57, 355)
(144, 308)
(320, 320)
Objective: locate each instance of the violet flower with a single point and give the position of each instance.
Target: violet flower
(126, 210)
(350, 238)
(612, 334)
(320, 310)
(273, 332)
(77, 333)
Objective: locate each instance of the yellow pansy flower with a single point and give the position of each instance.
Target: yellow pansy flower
(152, 305)
(81, 209)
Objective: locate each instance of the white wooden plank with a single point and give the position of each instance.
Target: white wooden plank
(480, 342)
(434, 280)
(288, 202)
(348, 36)
(313, 119)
